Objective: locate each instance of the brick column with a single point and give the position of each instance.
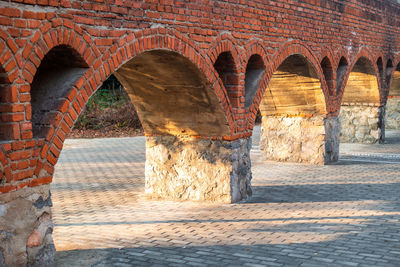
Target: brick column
(312, 140)
(188, 168)
(362, 124)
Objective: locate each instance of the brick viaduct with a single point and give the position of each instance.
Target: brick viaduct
(197, 72)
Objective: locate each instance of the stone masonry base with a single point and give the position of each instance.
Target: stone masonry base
(188, 168)
(312, 140)
(362, 124)
(393, 113)
(26, 227)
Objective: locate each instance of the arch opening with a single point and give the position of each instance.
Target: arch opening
(172, 96)
(379, 64)
(393, 102)
(109, 112)
(255, 70)
(340, 72)
(227, 72)
(293, 114)
(328, 74)
(176, 105)
(362, 85)
(360, 113)
(294, 89)
(388, 73)
(59, 70)
(394, 90)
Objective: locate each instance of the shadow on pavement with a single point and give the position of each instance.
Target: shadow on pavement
(368, 248)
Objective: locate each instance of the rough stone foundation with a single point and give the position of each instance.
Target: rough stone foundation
(26, 228)
(332, 139)
(362, 124)
(188, 168)
(312, 140)
(393, 113)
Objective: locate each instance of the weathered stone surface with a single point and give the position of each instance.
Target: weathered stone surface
(21, 219)
(362, 124)
(332, 139)
(43, 257)
(299, 139)
(393, 113)
(2, 263)
(188, 168)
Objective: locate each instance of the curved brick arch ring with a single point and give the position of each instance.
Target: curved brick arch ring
(52, 34)
(131, 46)
(49, 35)
(226, 43)
(362, 53)
(254, 47)
(379, 55)
(8, 49)
(341, 53)
(289, 49)
(395, 61)
(160, 38)
(326, 52)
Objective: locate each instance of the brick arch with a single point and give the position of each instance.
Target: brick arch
(341, 70)
(390, 68)
(396, 59)
(55, 33)
(394, 78)
(341, 52)
(132, 46)
(396, 63)
(379, 61)
(224, 43)
(8, 49)
(59, 70)
(224, 51)
(363, 53)
(327, 63)
(287, 50)
(254, 48)
(51, 34)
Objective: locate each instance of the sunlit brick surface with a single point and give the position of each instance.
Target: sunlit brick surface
(344, 214)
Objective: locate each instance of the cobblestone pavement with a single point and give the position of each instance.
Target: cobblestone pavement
(300, 215)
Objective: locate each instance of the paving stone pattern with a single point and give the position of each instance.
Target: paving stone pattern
(345, 214)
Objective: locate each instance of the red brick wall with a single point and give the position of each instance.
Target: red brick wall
(108, 33)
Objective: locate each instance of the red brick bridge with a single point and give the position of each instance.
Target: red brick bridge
(197, 73)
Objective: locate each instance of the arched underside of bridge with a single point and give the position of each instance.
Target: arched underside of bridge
(180, 113)
(186, 158)
(361, 114)
(393, 103)
(59, 70)
(293, 114)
